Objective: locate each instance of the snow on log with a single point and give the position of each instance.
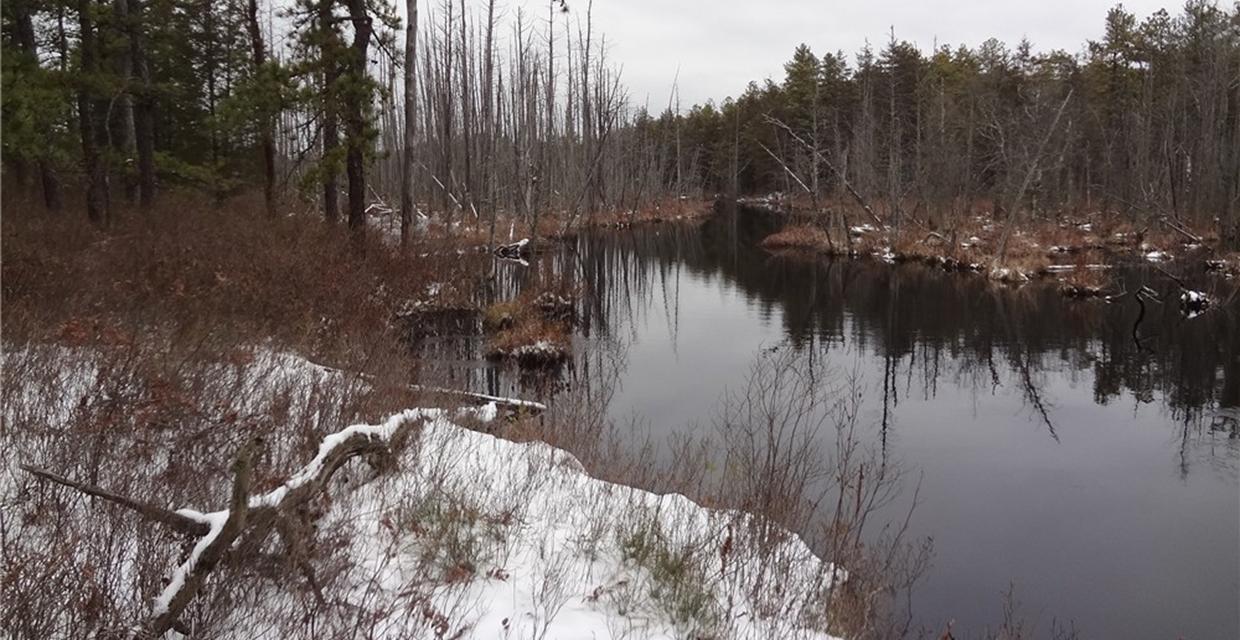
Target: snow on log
(514, 251)
(1194, 303)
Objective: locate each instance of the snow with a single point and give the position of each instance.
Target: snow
(1194, 303)
(540, 349)
(177, 579)
(512, 402)
(556, 568)
(1061, 268)
(552, 546)
(1157, 256)
(1004, 274)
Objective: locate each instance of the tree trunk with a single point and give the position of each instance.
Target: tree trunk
(331, 120)
(355, 119)
(91, 119)
(266, 139)
(144, 112)
(411, 122)
(124, 136)
(24, 28)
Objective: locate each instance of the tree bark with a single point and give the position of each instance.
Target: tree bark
(411, 122)
(24, 32)
(331, 119)
(140, 108)
(355, 118)
(91, 117)
(266, 139)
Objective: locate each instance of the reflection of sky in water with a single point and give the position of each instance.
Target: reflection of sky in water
(1129, 524)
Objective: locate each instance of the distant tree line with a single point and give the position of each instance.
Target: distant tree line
(477, 113)
(482, 113)
(1144, 122)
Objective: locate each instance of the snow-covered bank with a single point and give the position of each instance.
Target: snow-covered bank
(461, 535)
(487, 538)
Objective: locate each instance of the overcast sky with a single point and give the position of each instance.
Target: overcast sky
(720, 45)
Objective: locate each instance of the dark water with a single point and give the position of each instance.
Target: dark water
(1099, 478)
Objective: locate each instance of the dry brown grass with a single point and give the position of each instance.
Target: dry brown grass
(230, 271)
(801, 236)
(534, 328)
(528, 336)
(963, 233)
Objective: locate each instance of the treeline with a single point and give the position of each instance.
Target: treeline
(475, 111)
(467, 111)
(1144, 122)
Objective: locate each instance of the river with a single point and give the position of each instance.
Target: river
(1098, 477)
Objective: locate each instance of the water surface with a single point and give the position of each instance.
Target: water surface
(1097, 475)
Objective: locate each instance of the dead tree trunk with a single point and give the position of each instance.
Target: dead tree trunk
(1024, 185)
(839, 174)
(411, 122)
(249, 520)
(266, 139)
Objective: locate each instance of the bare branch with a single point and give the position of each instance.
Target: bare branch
(181, 523)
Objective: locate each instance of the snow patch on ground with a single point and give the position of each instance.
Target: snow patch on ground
(473, 536)
(552, 552)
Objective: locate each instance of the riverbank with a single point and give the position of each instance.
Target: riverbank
(1075, 254)
(142, 358)
(450, 532)
(473, 232)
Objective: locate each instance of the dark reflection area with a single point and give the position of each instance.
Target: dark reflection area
(1097, 471)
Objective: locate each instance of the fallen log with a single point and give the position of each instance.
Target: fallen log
(512, 404)
(529, 406)
(188, 578)
(1179, 228)
(514, 251)
(248, 520)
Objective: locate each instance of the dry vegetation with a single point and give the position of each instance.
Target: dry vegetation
(474, 231)
(232, 274)
(1074, 252)
(141, 358)
(798, 237)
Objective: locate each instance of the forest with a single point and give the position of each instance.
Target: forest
(388, 319)
(1142, 123)
(114, 101)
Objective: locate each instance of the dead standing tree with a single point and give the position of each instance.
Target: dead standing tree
(1032, 169)
(408, 162)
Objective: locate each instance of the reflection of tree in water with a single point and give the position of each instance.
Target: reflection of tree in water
(927, 326)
